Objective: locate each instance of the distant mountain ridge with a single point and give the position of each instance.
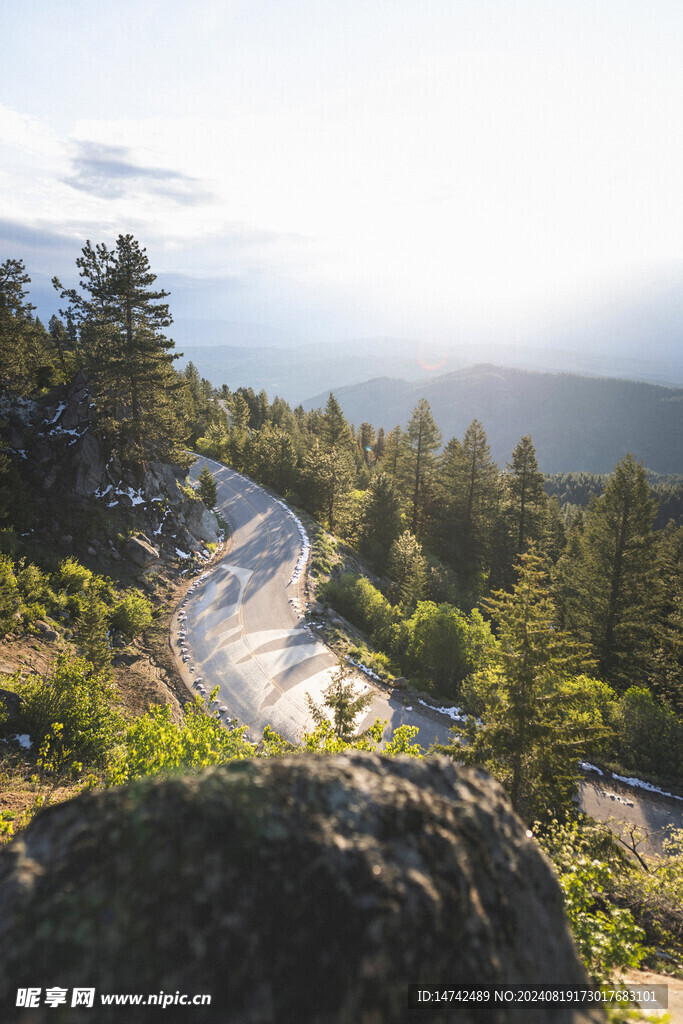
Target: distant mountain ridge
(576, 423)
(297, 371)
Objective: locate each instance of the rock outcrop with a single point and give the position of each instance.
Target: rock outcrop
(303, 889)
(57, 437)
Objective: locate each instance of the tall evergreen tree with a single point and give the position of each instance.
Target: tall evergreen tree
(366, 441)
(533, 726)
(408, 569)
(24, 345)
(206, 487)
(328, 476)
(336, 432)
(119, 319)
(381, 520)
(469, 495)
(612, 576)
(423, 439)
(393, 446)
(527, 497)
(667, 674)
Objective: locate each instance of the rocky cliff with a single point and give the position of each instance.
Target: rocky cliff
(303, 889)
(54, 440)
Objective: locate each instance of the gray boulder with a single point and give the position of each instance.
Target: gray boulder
(46, 629)
(201, 524)
(141, 552)
(302, 889)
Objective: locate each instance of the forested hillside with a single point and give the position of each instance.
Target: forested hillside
(578, 423)
(553, 621)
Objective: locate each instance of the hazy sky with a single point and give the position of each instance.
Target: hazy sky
(345, 167)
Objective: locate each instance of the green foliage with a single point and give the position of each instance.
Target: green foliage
(132, 614)
(9, 594)
(93, 629)
(468, 499)
(408, 569)
(206, 487)
(533, 727)
(648, 735)
(606, 936)
(445, 645)
(341, 698)
(26, 359)
(73, 576)
(118, 319)
(606, 580)
(69, 714)
(422, 441)
(154, 744)
(527, 500)
(328, 477)
(365, 606)
(403, 742)
(274, 458)
(381, 520)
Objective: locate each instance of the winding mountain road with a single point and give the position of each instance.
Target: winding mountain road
(244, 629)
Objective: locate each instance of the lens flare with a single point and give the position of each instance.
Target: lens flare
(430, 364)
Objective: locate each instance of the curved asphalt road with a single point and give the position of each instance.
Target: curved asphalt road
(245, 631)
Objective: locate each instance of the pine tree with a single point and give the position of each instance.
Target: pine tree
(366, 441)
(341, 699)
(423, 439)
(408, 569)
(667, 672)
(613, 577)
(328, 476)
(527, 498)
(119, 319)
(393, 448)
(207, 487)
(93, 630)
(533, 725)
(381, 520)
(469, 498)
(275, 458)
(335, 430)
(25, 361)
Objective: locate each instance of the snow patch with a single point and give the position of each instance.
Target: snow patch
(60, 409)
(639, 784)
(364, 669)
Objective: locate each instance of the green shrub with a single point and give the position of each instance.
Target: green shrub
(636, 719)
(69, 714)
(10, 601)
(132, 615)
(445, 645)
(606, 935)
(73, 577)
(365, 606)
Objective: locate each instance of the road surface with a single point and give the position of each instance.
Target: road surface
(244, 628)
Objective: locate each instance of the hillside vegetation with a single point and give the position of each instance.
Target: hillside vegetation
(557, 631)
